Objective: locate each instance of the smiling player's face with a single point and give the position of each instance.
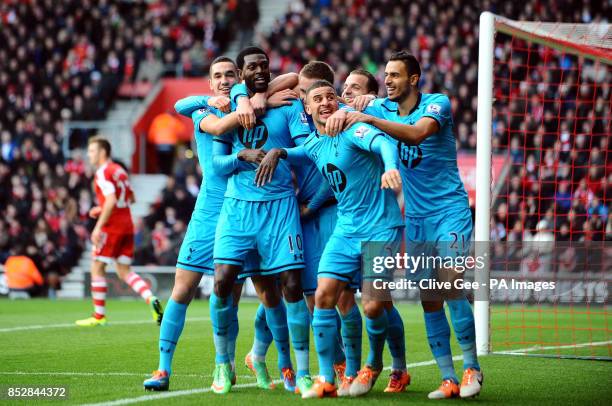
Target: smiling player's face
(321, 104)
(397, 81)
(256, 72)
(355, 85)
(223, 75)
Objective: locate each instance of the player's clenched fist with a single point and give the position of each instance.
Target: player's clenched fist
(221, 103)
(95, 212)
(391, 179)
(362, 101)
(246, 113)
(335, 123)
(258, 102)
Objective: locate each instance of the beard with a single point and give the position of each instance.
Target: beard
(402, 96)
(257, 87)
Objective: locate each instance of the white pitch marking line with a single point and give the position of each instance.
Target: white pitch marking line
(188, 392)
(553, 347)
(165, 395)
(71, 325)
(412, 365)
(65, 373)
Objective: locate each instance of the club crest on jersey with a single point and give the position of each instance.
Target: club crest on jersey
(335, 177)
(434, 109)
(256, 137)
(303, 118)
(361, 132)
(410, 155)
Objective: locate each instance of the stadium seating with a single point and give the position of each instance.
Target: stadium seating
(65, 69)
(67, 60)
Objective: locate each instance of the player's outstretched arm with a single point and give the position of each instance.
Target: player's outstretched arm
(186, 106)
(281, 98)
(391, 179)
(278, 94)
(410, 134)
(217, 126)
(265, 171)
(286, 81)
(225, 163)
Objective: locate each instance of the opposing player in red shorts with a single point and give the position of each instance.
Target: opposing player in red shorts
(113, 236)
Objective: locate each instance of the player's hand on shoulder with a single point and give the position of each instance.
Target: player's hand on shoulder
(391, 179)
(254, 156)
(356, 117)
(94, 212)
(246, 113)
(335, 123)
(221, 103)
(259, 101)
(282, 98)
(361, 102)
(267, 166)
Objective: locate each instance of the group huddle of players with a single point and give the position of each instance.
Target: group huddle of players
(303, 250)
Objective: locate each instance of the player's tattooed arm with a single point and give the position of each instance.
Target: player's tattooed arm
(265, 171)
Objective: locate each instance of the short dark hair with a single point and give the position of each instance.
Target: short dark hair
(220, 59)
(372, 82)
(253, 50)
(102, 143)
(318, 70)
(412, 65)
(318, 84)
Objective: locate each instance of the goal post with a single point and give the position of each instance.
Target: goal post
(564, 41)
(483, 169)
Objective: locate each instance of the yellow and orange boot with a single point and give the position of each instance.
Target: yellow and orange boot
(398, 381)
(448, 389)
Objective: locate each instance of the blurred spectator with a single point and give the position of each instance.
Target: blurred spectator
(246, 17)
(22, 276)
(165, 131)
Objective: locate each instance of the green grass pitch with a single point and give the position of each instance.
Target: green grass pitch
(40, 346)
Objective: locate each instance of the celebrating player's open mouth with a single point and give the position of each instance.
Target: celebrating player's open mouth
(325, 112)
